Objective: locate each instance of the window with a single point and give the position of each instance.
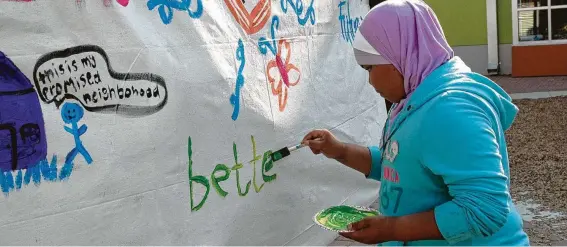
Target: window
(540, 21)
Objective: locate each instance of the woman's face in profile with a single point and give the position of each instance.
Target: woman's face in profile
(387, 81)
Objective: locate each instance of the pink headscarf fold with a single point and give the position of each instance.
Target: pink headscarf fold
(406, 33)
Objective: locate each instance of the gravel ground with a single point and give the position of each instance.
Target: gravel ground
(537, 146)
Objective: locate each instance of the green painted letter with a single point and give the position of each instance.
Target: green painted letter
(215, 180)
(199, 179)
(235, 168)
(253, 161)
(267, 165)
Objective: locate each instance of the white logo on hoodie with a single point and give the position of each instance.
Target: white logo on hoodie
(391, 151)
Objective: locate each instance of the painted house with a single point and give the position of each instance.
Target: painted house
(508, 37)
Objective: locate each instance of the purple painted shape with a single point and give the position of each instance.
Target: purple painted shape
(283, 71)
(22, 133)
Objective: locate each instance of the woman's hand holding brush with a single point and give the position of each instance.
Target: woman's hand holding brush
(322, 141)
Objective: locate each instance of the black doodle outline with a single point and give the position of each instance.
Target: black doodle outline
(18, 92)
(119, 108)
(13, 144)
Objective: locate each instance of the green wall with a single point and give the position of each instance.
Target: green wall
(505, 21)
(464, 21)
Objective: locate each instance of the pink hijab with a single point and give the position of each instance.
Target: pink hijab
(406, 34)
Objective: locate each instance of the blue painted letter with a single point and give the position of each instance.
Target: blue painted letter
(297, 7)
(235, 97)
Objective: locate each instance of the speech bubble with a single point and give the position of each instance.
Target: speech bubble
(84, 73)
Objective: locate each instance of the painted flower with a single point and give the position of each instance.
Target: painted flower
(124, 3)
(282, 74)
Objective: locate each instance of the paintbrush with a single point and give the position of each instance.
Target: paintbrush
(284, 152)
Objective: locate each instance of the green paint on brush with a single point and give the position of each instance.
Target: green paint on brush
(338, 218)
(277, 156)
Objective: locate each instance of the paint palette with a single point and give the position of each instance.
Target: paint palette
(337, 218)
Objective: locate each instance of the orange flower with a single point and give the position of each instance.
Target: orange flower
(286, 75)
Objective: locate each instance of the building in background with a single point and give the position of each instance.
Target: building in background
(507, 37)
(539, 37)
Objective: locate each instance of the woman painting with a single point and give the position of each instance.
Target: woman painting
(443, 161)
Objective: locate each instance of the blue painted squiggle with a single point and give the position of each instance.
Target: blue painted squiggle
(43, 170)
(7, 181)
(19, 180)
(297, 7)
(35, 174)
(49, 171)
(235, 97)
(66, 171)
(166, 7)
(27, 177)
(264, 45)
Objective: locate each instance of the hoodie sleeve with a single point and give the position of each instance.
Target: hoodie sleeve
(461, 146)
(376, 166)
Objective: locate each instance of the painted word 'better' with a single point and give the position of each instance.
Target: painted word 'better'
(221, 172)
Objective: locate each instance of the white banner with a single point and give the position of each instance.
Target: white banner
(150, 122)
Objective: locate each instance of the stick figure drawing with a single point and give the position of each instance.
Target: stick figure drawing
(72, 113)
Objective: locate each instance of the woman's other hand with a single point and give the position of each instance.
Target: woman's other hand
(371, 230)
(323, 141)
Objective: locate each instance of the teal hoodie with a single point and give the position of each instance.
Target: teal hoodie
(447, 151)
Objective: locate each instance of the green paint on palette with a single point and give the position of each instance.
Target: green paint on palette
(338, 218)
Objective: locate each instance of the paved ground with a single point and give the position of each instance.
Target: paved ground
(531, 84)
(540, 191)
